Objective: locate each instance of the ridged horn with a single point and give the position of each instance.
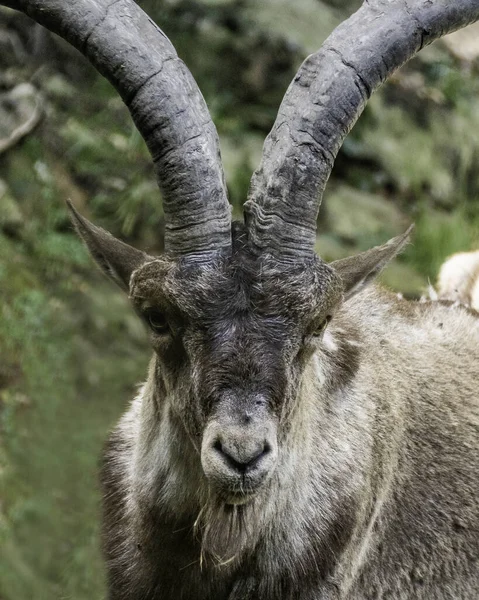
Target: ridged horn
(126, 46)
(321, 105)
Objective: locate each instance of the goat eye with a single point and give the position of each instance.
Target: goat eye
(322, 326)
(157, 321)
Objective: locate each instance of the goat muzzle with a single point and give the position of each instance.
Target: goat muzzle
(238, 460)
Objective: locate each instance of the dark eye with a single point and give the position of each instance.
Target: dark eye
(322, 326)
(157, 321)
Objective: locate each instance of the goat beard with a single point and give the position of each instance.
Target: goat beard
(227, 531)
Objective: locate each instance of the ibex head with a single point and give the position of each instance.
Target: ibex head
(232, 331)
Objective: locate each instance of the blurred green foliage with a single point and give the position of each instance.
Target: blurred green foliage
(71, 352)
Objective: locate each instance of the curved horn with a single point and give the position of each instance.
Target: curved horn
(124, 44)
(322, 104)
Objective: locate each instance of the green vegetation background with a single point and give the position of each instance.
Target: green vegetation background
(71, 352)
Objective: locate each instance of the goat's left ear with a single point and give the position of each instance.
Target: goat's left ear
(116, 259)
(358, 271)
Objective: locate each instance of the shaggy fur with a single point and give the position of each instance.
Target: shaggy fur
(375, 493)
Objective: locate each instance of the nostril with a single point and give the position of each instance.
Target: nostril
(218, 446)
(242, 461)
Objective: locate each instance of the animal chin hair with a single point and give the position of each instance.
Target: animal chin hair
(226, 531)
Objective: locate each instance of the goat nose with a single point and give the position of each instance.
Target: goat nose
(241, 458)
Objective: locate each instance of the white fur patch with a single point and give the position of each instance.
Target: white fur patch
(459, 279)
(329, 342)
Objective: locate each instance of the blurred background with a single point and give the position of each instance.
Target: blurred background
(71, 351)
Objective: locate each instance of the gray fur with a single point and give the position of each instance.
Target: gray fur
(373, 491)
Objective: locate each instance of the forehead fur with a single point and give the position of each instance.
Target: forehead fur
(237, 284)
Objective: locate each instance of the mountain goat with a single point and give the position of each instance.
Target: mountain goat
(300, 435)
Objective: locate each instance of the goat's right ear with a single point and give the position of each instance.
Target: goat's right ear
(358, 271)
(116, 259)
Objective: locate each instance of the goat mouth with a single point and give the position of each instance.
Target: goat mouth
(235, 494)
(238, 490)
(239, 499)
